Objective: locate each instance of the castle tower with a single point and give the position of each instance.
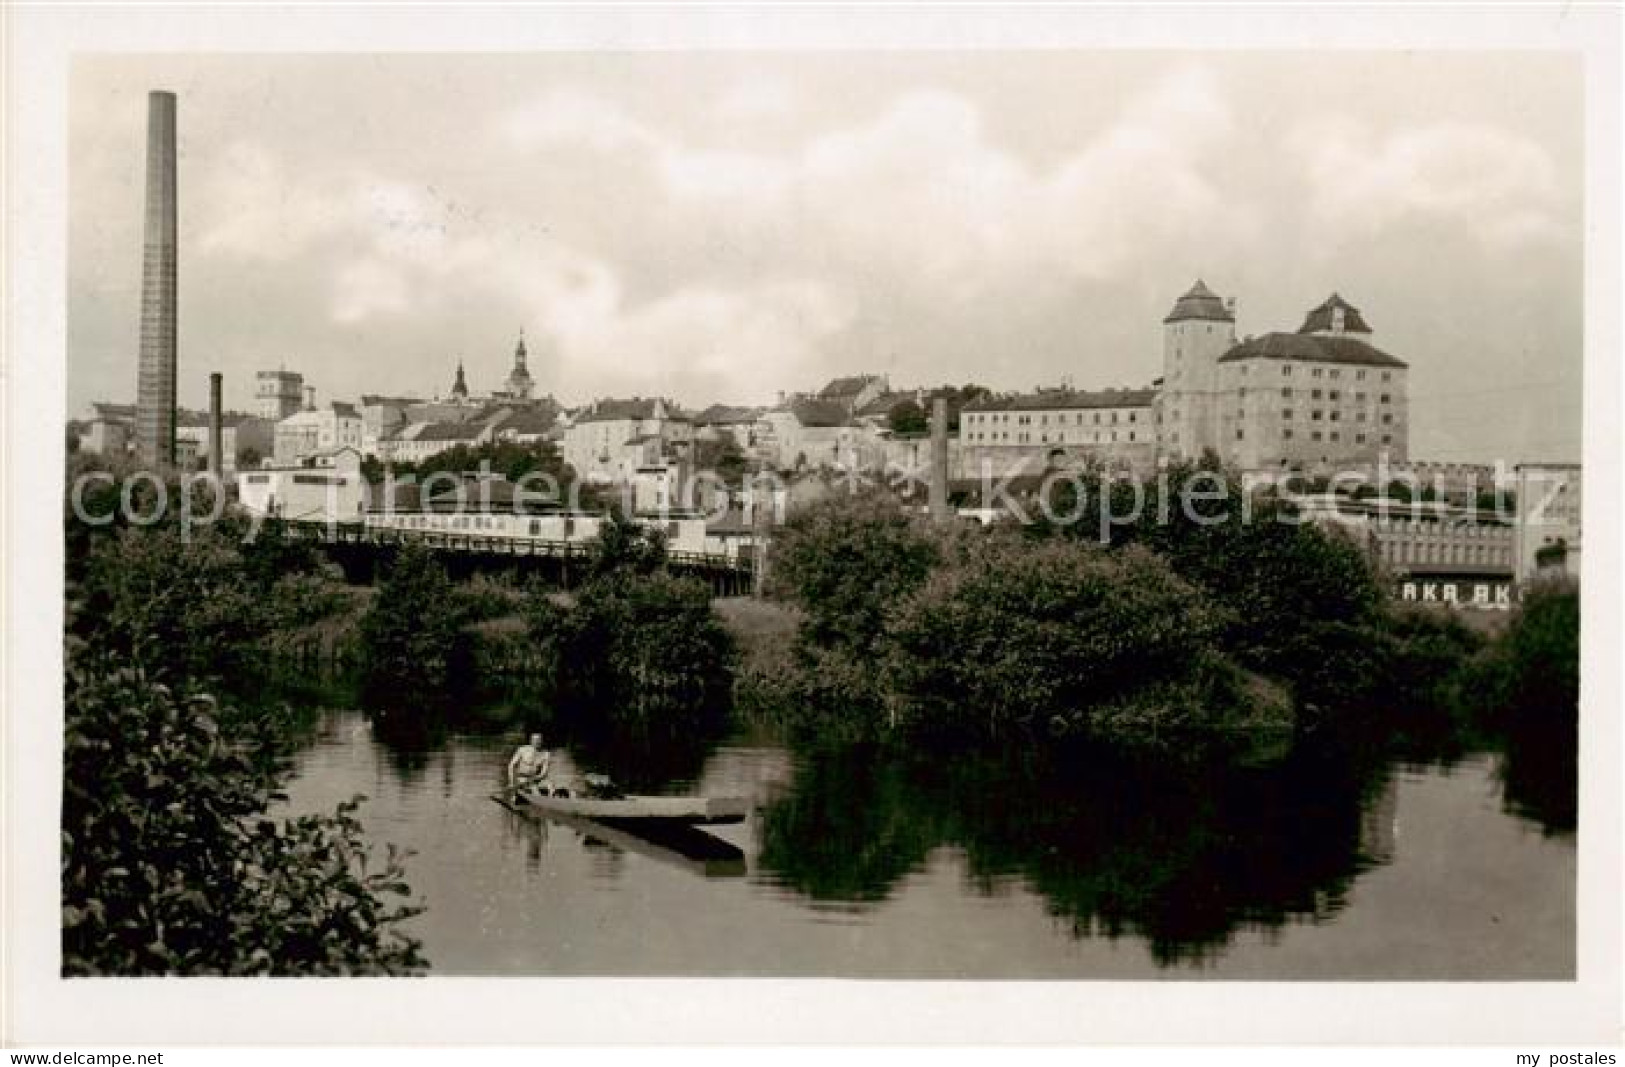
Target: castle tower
(1200, 328)
(459, 388)
(520, 383)
(155, 383)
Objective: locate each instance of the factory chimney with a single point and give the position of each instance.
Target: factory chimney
(216, 450)
(155, 381)
(939, 460)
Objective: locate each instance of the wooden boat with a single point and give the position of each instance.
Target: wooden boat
(690, 810)
(674, 843)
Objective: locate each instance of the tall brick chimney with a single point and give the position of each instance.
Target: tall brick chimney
(155, 385)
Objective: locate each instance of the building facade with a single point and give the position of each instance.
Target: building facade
(320, 486)
(333, 425)
(1548, 510)
(278, 394)
(606, 442)
(1318, 400)
(1029, 433)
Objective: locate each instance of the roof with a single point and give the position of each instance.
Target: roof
(446, 431)
(847, 387)
(529, 422)
(819, 413)
(116, 412)
(1318, 347)
(726, 414)
(619, 410)
(1066, 399)
(345, 409)
(1320, 318)
(374, 400)
(1200, 303)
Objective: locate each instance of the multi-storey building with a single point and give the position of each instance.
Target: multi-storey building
(1029, 433)
(1547, 525)
(334, 425)
(1321, 399)
(278, 394)
(610, 439)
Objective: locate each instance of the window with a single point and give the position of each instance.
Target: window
(1359, 416)
(1131, 416)
(1286, 368)
(1332, 395)
(1334, 414)
(1387, 419)
(1359, 375)
(1385, 376)
(1286, 435)
(1286, 413)
(1336, 373)
(1385, 398)
(1315, 415)
(1240, 434)
(1387, 440)
(1359, 398)
(1314, 394)
(1315, 436)
(1334, 435)
(1286, 394)
(1359, 438)
(1315, 373)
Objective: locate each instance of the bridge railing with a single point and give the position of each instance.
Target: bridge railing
(351, 532)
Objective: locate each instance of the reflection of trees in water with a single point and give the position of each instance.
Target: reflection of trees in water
(1182, 856)
(1539, 772)
(641, 759)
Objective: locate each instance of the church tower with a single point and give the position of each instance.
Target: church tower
(520, 383)
(1200, 328)
(459, 388)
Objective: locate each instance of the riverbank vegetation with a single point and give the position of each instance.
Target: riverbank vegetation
(171, 862)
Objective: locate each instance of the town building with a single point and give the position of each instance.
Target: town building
(805, 434)
(607, 441)
(321, 485)
(1318, 400)
(1547, 523)
(278, 394)
(109, 429)
(336, 424)
(1029, 433)
(721, 421)
(852, 393)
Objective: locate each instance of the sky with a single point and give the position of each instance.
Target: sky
(717, 227)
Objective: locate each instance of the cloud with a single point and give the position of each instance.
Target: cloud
(1498, 187)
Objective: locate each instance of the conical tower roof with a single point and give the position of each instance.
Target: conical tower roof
(1322, 319)
(1200, 303)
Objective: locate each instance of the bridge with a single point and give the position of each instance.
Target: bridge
(359, 549)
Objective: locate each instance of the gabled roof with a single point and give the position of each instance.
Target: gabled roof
(114, 412)
(529, 422)
(726, 415)
(1066, 400)
(446, 431)
(1200, 303)
(1320, 318)
(843, 388)
(1316, 347)
(619, 410)
(345, 409)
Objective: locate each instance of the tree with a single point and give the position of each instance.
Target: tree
(410, 633)
(907, 418)
(169, 866)
(845, 560)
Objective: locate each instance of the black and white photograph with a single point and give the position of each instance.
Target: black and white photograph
(1001, 515)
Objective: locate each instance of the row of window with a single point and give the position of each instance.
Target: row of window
(1331, 394)
(1043, 420)
(1331, 416)
(1315, 435)
(1324, 372)
(1003, 436)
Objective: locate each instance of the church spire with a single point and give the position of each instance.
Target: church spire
(520, 383)
(459, 389)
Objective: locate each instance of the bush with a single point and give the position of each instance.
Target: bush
(409, 635)
(641, 647)
(845, 561)
(168, 866)
(1027, 634)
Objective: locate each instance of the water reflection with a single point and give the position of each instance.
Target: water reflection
(1182, 856)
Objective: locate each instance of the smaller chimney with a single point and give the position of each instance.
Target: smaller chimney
(939, 460)
(310, 398)
(216, 450)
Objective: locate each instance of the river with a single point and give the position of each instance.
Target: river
(863, 865)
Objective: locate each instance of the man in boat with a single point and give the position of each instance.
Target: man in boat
(528, 766)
